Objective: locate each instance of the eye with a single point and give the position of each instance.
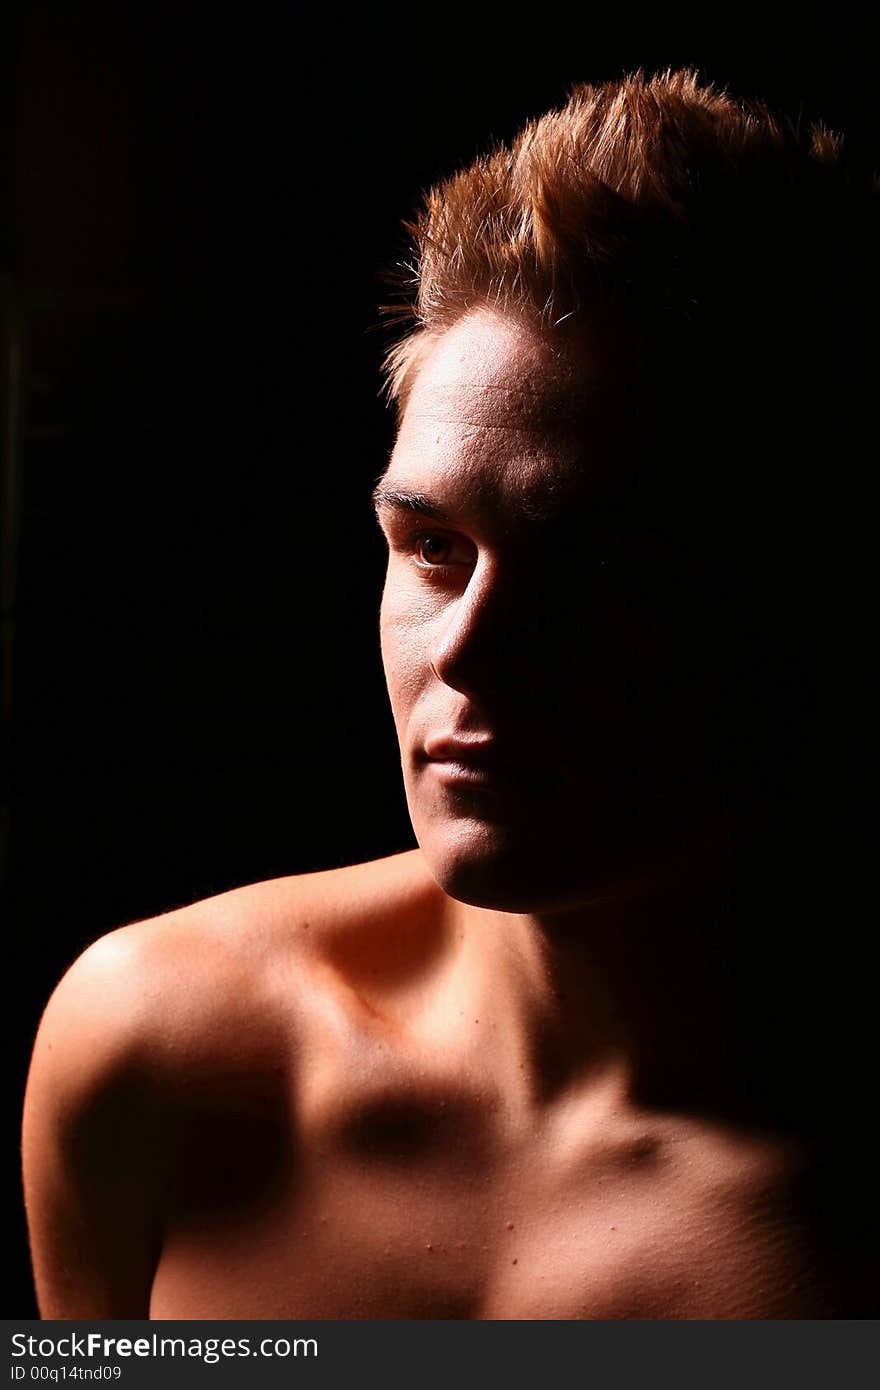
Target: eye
(441, 549)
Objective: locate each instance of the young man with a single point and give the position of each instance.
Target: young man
(576, 1056)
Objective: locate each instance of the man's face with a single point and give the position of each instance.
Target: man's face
(524, 611)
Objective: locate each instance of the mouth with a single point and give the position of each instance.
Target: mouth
(478, 753)
(454, 772)
(500, 783)
(478, 765)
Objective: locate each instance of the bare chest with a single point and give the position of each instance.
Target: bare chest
(416, 1197)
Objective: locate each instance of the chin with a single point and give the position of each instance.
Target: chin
(492, 867)
(542, 863)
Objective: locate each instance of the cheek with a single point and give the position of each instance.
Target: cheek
(403, 658)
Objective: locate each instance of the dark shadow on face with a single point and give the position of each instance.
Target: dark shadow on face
(597, 622)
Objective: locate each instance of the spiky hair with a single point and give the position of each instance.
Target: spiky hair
(667, 197)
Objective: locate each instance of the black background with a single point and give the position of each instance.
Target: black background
(199, 206)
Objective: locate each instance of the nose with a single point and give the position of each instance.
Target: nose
(488, 634)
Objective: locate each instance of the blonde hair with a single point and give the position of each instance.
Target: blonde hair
(668, 198)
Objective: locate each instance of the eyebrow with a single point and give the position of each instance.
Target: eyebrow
(400, 499)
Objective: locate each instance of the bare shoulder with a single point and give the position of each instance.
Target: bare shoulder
(169, 1025)
(164, 990)
(211, 997)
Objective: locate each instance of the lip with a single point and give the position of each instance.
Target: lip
(463, 774)
(467, 762)
(472, 754)
(488, 778)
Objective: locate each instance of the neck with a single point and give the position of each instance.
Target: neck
(645, 978)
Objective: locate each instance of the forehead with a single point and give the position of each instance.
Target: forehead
(502, 418)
